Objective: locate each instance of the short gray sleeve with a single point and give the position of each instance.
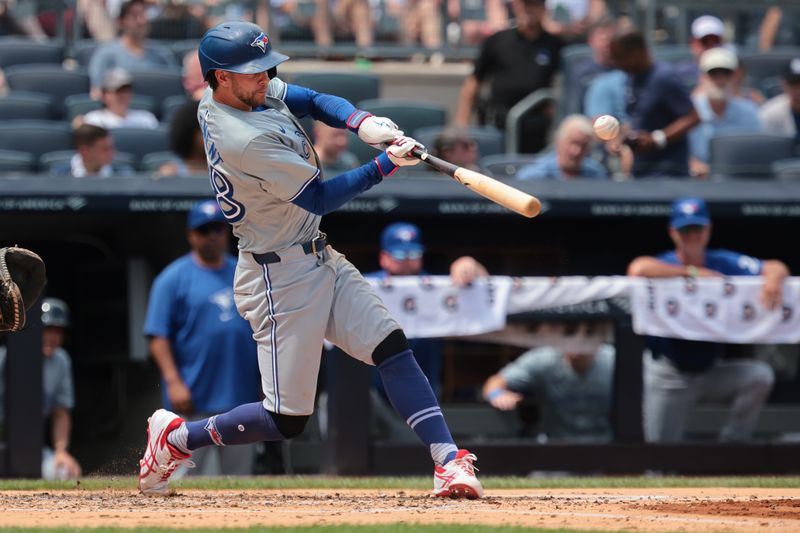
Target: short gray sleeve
(277, 88)
(284, 172)
(529, 370)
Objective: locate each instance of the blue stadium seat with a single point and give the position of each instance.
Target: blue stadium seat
(82, 51)
(17, 161)
(787, 169)
(506, 165)
(490, 140)
(170, 105)
(139, 142)
(152, 162)
(50, 159)
(35, 136)
(748, 156)
(158, 84)
(26, 105)
(50, 79)
(410, 115)
(23, 51)
(180, 48)
(354, 87)
(760, 67)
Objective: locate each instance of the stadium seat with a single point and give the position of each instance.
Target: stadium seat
(82, 51)
(490, 140)
(787, 169)
(506, 165)
(354, 87)
(35, 136)
(153, 161)
(58, 157)
(748, 155)
(410, 115)
(26, 105)
(140, 142)
(50, 79)
(761, 66)
(22, 51)
(80, 104)
(571, 100)
(180, 48)
(170, 105)
(158, 84)
(17, 161)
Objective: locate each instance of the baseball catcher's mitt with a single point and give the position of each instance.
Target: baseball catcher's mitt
(22, 278)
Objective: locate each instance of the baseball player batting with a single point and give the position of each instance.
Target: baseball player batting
(290, 284)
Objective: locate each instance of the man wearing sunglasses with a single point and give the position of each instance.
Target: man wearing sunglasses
(203, 348)
(680, 372)
(402, 254)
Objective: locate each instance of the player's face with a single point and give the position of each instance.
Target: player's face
(691, 239)
(250, 89)
(406, 264)
(209, 241)
(52, 338)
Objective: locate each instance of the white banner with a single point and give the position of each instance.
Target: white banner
(431, 306)
(531, 294)
(714, 309)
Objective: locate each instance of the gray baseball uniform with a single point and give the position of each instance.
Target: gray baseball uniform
(259, 161)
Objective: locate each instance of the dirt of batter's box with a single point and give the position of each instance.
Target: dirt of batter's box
(757, 508)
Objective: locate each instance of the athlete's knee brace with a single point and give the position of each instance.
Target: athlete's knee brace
(289, 426)
(394, 343)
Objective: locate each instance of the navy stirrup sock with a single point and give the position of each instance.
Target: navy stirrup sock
(411, 396)
(241, 425)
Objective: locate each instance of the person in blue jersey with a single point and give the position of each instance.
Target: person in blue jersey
(203, 348)
(678, 373)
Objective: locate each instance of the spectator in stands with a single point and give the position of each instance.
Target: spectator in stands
(707, 32)
(58, 390)
(776, 29)
(500, 65)
(659, 109)
(402, 254)
(679, 373)
(116, 95)
(571, 19)
(472, 26)
(186, 141)
(571, 156)
(94, 155)
(193, 82)
(331, 147)
(600, 34)
(342, 19)
(203, 348)
(456, 146)
(131, 51)
(11, 26)
(781, 114)
(572, 387)
(421, 20)
(720, 112)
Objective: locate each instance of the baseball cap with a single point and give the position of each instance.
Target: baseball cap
(116, 79)
(707, 25)
(718, 57)
(204, 212)
(689, 212)
(792, 72)
(401, 237)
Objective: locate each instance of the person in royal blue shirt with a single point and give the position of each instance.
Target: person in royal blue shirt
(679, 373)
(203, 348)
(659, 109)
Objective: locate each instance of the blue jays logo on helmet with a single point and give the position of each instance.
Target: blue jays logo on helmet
(261, 43)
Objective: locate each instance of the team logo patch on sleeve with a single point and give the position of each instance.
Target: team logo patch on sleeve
(261, 42)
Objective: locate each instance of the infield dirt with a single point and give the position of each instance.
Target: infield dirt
(690, 510)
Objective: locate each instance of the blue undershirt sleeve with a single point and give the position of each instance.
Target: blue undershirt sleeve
(332, 110)
(322, 197)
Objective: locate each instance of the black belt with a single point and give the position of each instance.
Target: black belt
(314, 246)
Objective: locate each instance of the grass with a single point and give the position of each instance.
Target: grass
(409, 483)
(389, 528)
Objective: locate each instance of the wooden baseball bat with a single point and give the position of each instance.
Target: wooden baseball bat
(498, 192)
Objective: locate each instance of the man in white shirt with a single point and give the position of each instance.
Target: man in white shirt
(116, 94)
(93, 157)
(781, 114)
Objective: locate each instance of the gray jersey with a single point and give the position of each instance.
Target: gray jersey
(258, 163)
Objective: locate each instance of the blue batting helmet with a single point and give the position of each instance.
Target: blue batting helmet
(239, 47)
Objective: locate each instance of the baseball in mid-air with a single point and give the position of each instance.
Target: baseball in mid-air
(606, 127)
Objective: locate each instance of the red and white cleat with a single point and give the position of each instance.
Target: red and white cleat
(457, 478)
(160, 458)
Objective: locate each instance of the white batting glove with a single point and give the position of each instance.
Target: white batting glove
(376, 131)
(399, 152)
